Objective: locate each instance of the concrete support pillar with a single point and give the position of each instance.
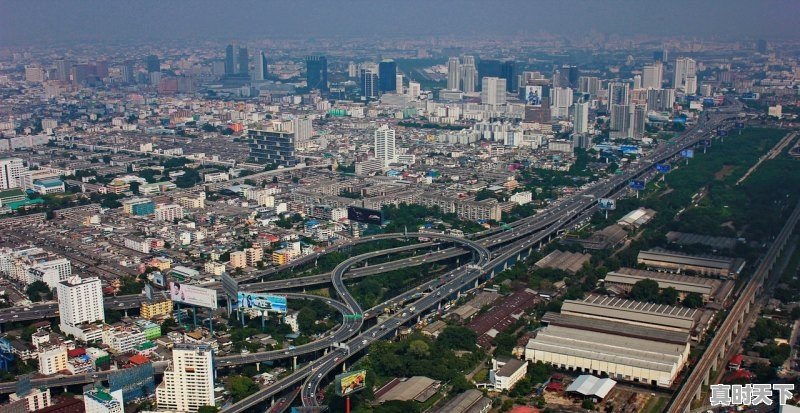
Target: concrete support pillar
(477, 282)
(419, 318)
(258, 366)
(325, 351)
(706, 378)
(344, 366)
(697, 395)
(294, 363)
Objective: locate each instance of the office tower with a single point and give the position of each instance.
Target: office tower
(63, 67)
(761, 46)
(413, 89)
(10, 171)
(34, 74)
(385, 144)
(573, 74)
(271, 146)
(589, 84)
(469, 75)
(507, 73)
(152, 64)
(189, 380)
(303, 128)
(684, 67)
(453, 74)
(660, 99)
(561, 100)
(126, 71)
(637, 82)
(620, 120)
(80, 72)
(387, 76)
(229, 65)
(661, 56)
(80, 301)
(262, 70)
(690, 85)
(101, 69)
(317, 72)
(652, 76)
(637, 116)
(489, 68)
(617, 93)
(352, 70)
(493, 91)
(97, 399)
(369, 83)
(243, 62)
(398, 83)
(581, 117)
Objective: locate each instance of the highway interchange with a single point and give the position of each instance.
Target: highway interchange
(492, 251)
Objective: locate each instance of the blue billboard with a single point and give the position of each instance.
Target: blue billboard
(709, 102)
(687, 153)
(637, 185)
(679, 119)
(739, 125)
(629, 149)
(263, 302)
(722, 132)
(705, 142)
(663, 168)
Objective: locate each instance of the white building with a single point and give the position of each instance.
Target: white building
(10, 171)
(51, 272)
(291, 320)
(652, 76)
(52, 360)
(169, 212)
(189, 381)
(37, 398)
(80, 302)
(776, 111)
(123, 340)
(581, 117)
(453, 74)
(561, 100)
(494, 91)
(100, 400)
(505, 374)
(303, 129)
(469, 75)
(413, 89)
(684, 67)
(385, 147)
(521, 198)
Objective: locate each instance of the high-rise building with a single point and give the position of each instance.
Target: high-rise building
(398, 83)
(580, 115)
(493, 91)
(507, 73)
(638, 115)
(684, 67)
(589, 84)
(97, 399)
(262, 70)
(189, 380)
(652, 76)
(761, 46)
(80, 301)
(152, 63)
(413, 89)
(617, 93)
(10, 171)
(387, 75)
(489, 68)
(303, 128)
(63, 67)
(690, 85)
(272, 146)
(229, 60)
(620, 120)
(561, 100)
(661, 55)
(352, 70)
(34, 74)
(660, 99)
(126, 71)
(637, 82)
(469, 74)
(101, 69)
(317, 72)
(369, 83)
(453, 74)
(243, 62)
(385, 147)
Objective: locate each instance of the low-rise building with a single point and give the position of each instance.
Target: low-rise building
(52, 360)
(505, 374)
(156, 308)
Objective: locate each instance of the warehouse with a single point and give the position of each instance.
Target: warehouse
(615, 328)
(677, 262)
(710, 289)
(660, 316)
(571, 262)
(471, 401)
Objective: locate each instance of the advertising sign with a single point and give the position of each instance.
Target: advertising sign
(193, 295)
(350, 382)
(637, 185)
(229, 285)
(722, 132)
(705, 142)
(263, 302)
(365, 215)
(629, 149)
(687, 153)
(533, 95)
(607, 204)
(739, 125)
(663, 168)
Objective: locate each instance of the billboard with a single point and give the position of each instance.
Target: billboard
(629, 149)
(663, 168)
(705, 142)
(687, 153)
(533, 95)
(607, 204)
(722, 132)
(193, 295)
(739, 125)
(263, 302)
(350, 382)
(637, 185)
(365, 215)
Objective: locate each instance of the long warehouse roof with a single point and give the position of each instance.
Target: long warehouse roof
(616, 328)
(724, 263)
(656, 315)
(680, 282)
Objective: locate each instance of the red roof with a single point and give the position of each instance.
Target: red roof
(139, 359)
(524, 409)
(741, 374)
(555, 386)
(76, 352)
(737, 359)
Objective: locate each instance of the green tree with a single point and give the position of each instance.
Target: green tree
(207, 409)
(668, 295)
(38, 290)
(695, 300)
(418, 348)
(457, 338)
(134, 187)
(240, 387)
(645, 290)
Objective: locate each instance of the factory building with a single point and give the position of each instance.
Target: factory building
(677, 262)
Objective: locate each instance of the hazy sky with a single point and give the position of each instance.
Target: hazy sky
(37, 21)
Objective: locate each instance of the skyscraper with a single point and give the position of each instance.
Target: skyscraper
(589, 84)
(652, 76)
(661, 55)
(488, 68)
(660, 99)
(243, 62)
(638, 113)
(581, 117)
(10, 171)
(637, 82)
(229, 65)
(317, 72)
(398, 83)
(189, 381)
(617, 93)
(453, 74)
(761, 46)
(387, 74)
(152, 63)
(369, 83)
(413, 89)
(80, 301)
(690, 85)
(560, 102)
(469, 74)
(684, 67)
(385, 148)
(507, 73)
(63, 67)
(126, 71)
(262, 70)
(493, 91)
(620, 120)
